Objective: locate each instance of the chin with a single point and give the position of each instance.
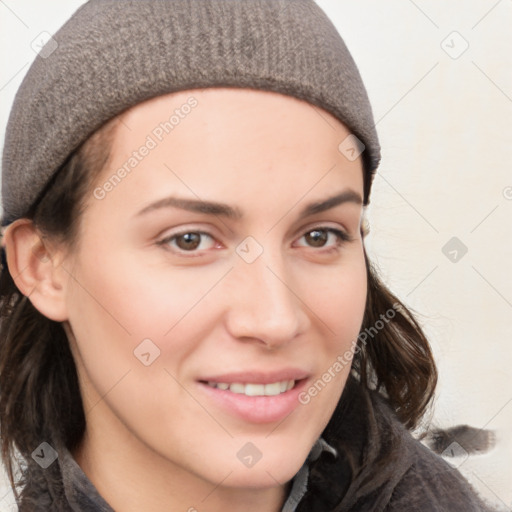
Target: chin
(272, 465)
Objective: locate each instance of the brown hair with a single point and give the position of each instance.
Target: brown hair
(39, 391)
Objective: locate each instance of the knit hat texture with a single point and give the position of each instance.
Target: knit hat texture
(113, 54)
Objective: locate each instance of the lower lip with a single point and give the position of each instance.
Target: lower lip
(256, 409)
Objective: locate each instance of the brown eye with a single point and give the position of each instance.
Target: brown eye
(317, 238)
(189, 241)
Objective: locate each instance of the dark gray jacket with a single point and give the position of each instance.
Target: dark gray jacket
(366, 461)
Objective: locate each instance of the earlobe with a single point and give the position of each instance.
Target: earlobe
(37, 272)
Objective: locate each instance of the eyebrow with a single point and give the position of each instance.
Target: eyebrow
(194, 205)
(230, 212)
(347, 196)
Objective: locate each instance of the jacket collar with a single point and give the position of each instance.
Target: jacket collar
(81, 494)
(374, 452)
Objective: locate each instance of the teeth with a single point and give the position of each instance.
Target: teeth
(276, 388)
(237, 388)
(272, 389)
(253, 389)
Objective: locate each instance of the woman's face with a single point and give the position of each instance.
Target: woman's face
(219, 275)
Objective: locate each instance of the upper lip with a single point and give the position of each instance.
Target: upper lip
(258, 377)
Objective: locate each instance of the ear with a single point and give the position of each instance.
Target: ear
(36, 269)
(365, 225)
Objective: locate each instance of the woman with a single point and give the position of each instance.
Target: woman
(189, 319)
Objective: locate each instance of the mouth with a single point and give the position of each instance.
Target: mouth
(255, 397)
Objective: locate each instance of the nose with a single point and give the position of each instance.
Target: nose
(264, 305)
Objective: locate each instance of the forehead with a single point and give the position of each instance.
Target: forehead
(220, 141)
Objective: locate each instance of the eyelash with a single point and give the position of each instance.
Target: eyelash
(341, 238)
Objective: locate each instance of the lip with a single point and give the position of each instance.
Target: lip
(255, 409)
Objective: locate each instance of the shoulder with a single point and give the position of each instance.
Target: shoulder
(432, 484)
(427, 481)
(390, 470)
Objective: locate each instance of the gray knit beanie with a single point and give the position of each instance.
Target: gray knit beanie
(114, 54)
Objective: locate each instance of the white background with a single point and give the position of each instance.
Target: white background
(445, 129)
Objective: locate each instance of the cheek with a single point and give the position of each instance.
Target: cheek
(338, 298)
(338, 302)
(123, 298)
(135, 332)
(115, 307)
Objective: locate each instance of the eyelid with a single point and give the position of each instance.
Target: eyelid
(327, 226)
(209, 230)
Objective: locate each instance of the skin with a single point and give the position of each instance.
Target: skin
(154, 441)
